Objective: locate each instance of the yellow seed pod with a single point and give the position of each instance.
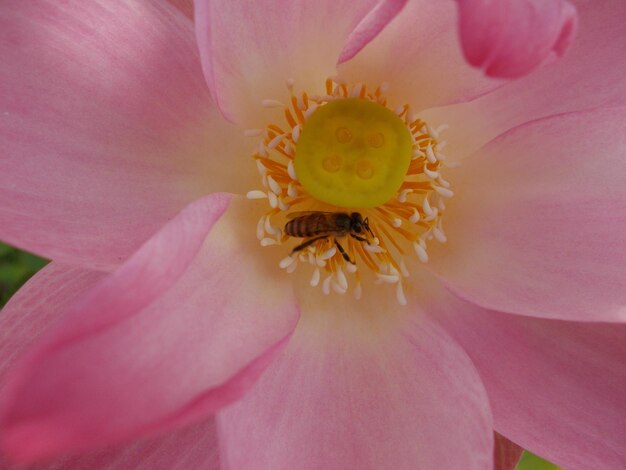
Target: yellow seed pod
(353, 153)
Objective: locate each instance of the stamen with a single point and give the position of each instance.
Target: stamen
(400, 294)
(399, 217)
(272, 104)
(315, 279)
(256, 194)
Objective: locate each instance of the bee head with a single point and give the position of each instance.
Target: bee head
(356, 222)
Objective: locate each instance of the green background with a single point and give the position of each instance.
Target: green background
(16, 267)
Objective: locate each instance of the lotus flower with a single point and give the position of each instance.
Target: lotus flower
(162, 331)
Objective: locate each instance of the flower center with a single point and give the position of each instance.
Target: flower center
(353, 187)
(353, 153)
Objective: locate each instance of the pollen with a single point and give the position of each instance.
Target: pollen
(353, 187)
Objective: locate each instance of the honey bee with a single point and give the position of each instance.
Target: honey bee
(317, 225)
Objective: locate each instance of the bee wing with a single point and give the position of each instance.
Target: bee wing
(297, 214)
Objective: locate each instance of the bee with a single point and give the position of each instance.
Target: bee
(317, 225)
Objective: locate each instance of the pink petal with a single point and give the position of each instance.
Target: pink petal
(24, 319)
(185, 6)
(362, 388)
(419, 56)
(106, 129)
(37, 306)
(538, 223)
(509, 38)
(506, 454)
(591, 74)
(556, 387)
(250, 49)
(191, 447)
(163, 341)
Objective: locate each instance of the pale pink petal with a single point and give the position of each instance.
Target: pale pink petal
(185, 6)
(360, 387)
(556, 387)
(194, 446)
(163, 341)
(36, 307)
(369, 27)
(538, 222)
(591, 74)
(509, 38)
(419, 55)
(106, 127)
(506, 454)
(250, 49)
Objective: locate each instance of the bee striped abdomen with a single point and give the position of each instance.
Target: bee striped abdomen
(308, 226)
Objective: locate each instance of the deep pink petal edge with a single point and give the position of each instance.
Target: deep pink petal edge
(510, 38)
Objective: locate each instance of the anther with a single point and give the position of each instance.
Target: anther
(400, 294)
(295, 133)
(273, 200)
(268, 241)
(374, 248)
(315, 278)
(274, 186)
(445, 192)
(415, 217)
(426, 206)
(272, 144)
(430, 154)
(420, 251)
(291, 171)
(256, 194)
(328, 253)
(272, 104)
(326, 285)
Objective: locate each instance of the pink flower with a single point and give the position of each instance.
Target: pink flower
(162, 320)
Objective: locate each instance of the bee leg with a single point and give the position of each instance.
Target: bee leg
(307, 243)
(343, 252)
(361, 239)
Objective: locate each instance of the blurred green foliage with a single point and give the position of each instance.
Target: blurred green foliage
(16, 267)
(532, 462)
